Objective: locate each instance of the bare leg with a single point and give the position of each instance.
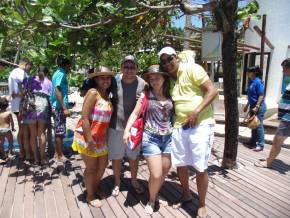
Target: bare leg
(166, 164)
(116, 164)
(275, 149)
(20, 137)
(182, 173)
(26, 136)
(41, 126)
(90, 175)
(9, 137)
(202, 184)
(134, 169)
(32, 140)
(2, 138)
(102, 164)
(49, 138)
(58, 146)
(154, 163)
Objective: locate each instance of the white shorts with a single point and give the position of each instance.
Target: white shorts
(192, 146)
(117, 149)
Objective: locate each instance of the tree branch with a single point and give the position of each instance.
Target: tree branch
(195, 9)
(103, 21)
(7, 62)
(164, 7)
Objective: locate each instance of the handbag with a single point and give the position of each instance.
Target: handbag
(252, 122)
(137, 128)
(27, 103)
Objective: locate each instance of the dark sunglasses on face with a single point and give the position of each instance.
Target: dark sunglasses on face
(129, 68)
(167, 60)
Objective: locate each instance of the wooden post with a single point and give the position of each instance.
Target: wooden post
(263, 42)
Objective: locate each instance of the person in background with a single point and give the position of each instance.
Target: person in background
(6, 128)
(15, 82)
(88, 83)
(90, 138)
(37, 119)
(193, 132)
(256, 90)
(129, 87)
(156, 141)
(59, 104)
(283, 130)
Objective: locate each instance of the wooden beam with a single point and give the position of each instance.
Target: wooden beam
(267, 41)
(194, 29)
(182, 38)
(263, 42)
(248, 46)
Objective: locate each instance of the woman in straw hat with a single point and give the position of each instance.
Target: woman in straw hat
(91, 131)
(156, 141)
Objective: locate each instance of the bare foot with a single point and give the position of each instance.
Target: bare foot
(202, 212)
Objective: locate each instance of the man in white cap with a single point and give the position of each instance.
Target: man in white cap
(129, 86)
(193, 133)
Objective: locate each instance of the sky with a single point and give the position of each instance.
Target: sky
(196, 20)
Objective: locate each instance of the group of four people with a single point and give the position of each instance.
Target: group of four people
(176, 90)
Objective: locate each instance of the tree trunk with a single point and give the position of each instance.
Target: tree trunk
(228, 20)
(188, 23)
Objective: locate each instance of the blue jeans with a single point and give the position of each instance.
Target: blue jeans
(258, 135)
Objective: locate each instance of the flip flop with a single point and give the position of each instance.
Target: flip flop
(95, 203)
(138, 188)
(261, 163)
(116, 191)
(182, 201)
(202, 212)
(161, 201)
(149, 208)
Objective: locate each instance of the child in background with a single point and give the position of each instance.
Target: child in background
(6, 125)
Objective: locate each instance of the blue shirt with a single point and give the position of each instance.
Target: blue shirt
(255, 89)
(59, 79)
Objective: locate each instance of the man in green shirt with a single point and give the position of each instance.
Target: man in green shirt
(192, 137)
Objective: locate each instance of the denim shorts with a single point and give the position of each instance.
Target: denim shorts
(154, 144)
(283, 129)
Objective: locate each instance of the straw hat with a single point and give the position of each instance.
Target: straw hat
(101, 71)
(154, 69)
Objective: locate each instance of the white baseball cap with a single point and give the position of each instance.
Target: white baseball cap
(167, 50)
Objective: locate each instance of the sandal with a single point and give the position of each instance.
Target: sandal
(261, 163)
(182, 201)
(116, 191)
(202, 212)
(149, 208)
(95, 203)
(137, 187)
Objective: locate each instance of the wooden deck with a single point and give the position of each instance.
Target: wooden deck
(57, 191)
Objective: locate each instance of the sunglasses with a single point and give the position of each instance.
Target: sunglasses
(167, 60)
(129, 68)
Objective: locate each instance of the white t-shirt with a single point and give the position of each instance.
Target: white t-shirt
(15, 80)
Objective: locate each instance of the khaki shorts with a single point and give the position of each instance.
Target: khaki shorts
(192, 147)
(117, 149)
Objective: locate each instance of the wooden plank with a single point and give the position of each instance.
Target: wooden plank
(61, 204)
(9, 191)
(50, 202)
(4, 179)
(77, 177)
(18, 209)
(29, 193)
(39, 202)
(121, 198)
(69, 195)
